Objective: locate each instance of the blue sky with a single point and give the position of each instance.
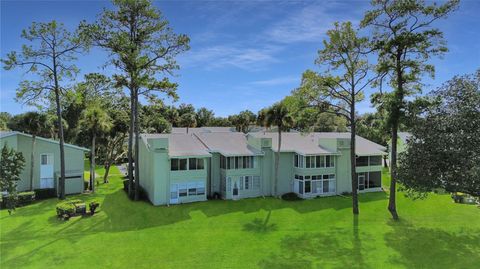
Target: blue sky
(244, 54)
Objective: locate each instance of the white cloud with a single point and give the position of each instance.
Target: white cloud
(277, 81)
(307, 24)
(220, 56)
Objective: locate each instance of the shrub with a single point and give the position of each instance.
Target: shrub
(93, 206)
(69, 208)
(25, 198)
(85, 185)
(290, 196)
(65, 210)
(45, 193)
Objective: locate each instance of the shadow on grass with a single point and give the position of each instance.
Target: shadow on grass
(333, 248)
(431, 248)
(261, 226)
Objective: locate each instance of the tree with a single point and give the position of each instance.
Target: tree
(141, 46)
(373, 126)
(405, 41)
(50, 60)
(188, 120)
(445, 149)
(11, 165)
(96, 122)
(204, 117)
(243, 120)
(340, 86)
(278, 115)
(311, 119)
(33, 123)
(112, 143)
(4, 119)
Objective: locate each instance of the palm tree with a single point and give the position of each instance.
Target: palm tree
(279, 116)
(33, 123)
(188, 120)
(96, 121)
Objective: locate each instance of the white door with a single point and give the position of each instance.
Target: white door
(235, 190)
(173, 194)
(46, 171)
(295, 186)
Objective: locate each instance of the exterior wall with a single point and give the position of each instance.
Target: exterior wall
(285, 173)
(74, 162)
(146, 169)
(157, 178)
(236, 174)
(189, 176)
(214, 173)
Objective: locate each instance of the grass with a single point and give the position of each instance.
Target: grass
(252, 233)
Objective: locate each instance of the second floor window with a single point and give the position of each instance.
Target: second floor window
(317, 161)
(237, 162)
(177, 164)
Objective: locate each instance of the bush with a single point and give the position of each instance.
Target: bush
(85, 185)
(93, 205)
(25, 198)
(69, 208)
(291, 196)
(45, 193)
(65, 210)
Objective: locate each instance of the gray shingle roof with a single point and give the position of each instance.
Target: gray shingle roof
(305, 144)
(180, 145)
(183, 130)
(308, 143)
(228, 144)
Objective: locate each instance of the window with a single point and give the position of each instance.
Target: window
(295, 161)
(195, 164)
(362, 161)
(320, 161)
(308, 162)
(192, 189)
(248, 181)
(375, 179)
(200, 188)
(46, 159)
(182, 190)
(174, 164)
(308, 186)
(239, 162)
(222, 162)
(375, 160)
(329, 161)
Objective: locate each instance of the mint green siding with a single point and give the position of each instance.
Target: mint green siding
(74, 162)
(162, 184)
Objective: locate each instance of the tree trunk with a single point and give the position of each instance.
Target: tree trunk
(130, 143)
(61, 182)
(385, 164)
(137, 167)
(353, 164)
(32, 160)
(392, 206)
(277, 161)
(107, 170)
(93, 165)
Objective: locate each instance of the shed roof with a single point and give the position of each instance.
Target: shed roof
(4, 134)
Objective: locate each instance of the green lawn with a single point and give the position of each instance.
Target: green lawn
(264, 233)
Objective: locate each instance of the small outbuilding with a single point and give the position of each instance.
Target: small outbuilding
(46, 162)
